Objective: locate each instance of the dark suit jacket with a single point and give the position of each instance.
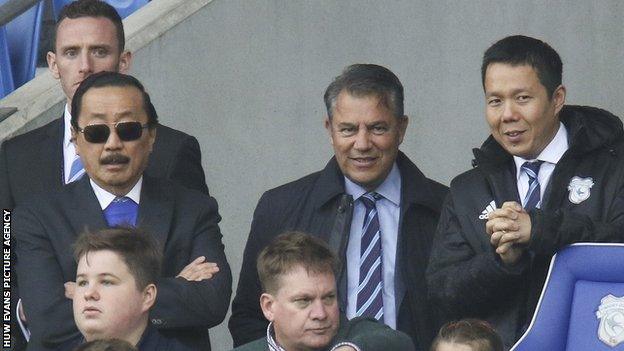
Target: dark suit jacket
(317, 204)
(367, 334)
(184, 221)
(33, 162)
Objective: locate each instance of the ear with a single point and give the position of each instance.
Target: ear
(152, 138)
(558, 98)
(149, 297)
(328, 127)
(124, 62)
(74, 136)
(267, 304)
(51, 58)
(403, 121)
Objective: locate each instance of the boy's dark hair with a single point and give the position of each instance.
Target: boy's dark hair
(290, 250)
(111, 79)
(138, 250)
(477, 334)
(519, 50)
(361, 80)
(92, 8)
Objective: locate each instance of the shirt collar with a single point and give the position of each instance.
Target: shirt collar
(105, 198)
(552, 153)
(390, 189)
(67, 127)
(271, 342)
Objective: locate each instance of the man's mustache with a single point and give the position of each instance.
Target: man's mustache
(114, 159)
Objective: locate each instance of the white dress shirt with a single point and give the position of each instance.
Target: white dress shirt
(69, 150)
(550, 156)
(105, 198)
(389, 210)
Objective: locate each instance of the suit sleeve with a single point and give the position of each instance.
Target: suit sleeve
(370, 335)
(247, 322)
(187, 168)
(463, 279)
(183, 304)
(48, 311)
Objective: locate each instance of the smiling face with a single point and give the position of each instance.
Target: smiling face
(84, 46)
(115, 165)
(521, 116)
(107, 302)
(304, 310)
(366, 136)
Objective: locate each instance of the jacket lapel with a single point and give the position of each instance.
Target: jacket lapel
(83, 208)
(155, 210)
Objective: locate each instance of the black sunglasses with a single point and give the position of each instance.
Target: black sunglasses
(126, 131)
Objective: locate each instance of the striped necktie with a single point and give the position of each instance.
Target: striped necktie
(532, 198)
(370, 287)
(76, 171)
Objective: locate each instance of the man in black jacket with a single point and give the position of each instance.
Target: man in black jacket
(368, 178)
(548, 176)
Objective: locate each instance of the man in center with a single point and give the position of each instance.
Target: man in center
(373, 206)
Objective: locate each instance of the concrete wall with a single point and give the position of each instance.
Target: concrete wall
(247, 79)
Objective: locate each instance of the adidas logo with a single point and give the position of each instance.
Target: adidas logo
(489, 208)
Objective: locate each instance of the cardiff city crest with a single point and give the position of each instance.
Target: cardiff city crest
(579, 189)
(611, 315)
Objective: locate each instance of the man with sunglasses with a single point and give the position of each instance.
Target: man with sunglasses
(88, 38)
(114, 128)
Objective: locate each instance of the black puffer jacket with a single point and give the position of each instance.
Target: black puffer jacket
(465, 276)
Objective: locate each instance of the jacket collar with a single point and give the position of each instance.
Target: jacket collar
(414, 185)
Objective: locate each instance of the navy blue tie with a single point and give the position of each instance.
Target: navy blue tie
(532, 198)
(122, 211)
(370, 287)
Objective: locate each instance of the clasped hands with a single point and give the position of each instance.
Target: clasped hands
(509, 228)
(195, 271)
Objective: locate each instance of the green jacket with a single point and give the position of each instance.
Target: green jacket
(365, 333)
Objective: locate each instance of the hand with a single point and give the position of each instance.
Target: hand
(70, 289)
(509, 252)
(510, 223)
(510, 229)
(199, 270)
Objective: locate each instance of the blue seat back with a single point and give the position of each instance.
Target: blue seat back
(23, 34)
(6, 73)
(582, 304)
(124, 7)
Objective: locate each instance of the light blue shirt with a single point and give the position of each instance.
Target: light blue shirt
(389, 210)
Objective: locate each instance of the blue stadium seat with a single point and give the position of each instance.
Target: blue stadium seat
(124, 7)
(6, 74)
(582, 304)
(23, 41)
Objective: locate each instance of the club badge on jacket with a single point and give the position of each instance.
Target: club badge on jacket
(579, 189)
